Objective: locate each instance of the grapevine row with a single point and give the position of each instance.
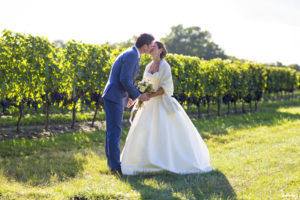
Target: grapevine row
(36, 73)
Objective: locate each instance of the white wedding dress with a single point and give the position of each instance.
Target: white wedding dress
(162, 137)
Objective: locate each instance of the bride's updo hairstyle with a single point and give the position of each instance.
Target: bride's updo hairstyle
(164, 51)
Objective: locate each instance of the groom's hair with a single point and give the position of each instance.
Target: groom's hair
(143, 39)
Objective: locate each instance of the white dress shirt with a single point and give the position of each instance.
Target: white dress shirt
(138, 51)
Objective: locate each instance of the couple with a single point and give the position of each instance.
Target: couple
(161, 137)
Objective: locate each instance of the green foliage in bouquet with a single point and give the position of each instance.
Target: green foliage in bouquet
(144, 87)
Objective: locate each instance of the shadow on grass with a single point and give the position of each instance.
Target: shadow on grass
(40, 170)
(172, 186)
(40, 162)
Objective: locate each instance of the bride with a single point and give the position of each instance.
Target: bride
(162, 137)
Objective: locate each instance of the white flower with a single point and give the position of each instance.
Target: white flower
(142, 88)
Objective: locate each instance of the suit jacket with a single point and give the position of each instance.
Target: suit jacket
(122, 77)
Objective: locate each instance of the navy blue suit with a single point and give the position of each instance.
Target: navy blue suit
(118, 89)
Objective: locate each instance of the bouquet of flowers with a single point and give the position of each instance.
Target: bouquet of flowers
(144, 87)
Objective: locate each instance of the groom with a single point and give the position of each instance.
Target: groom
(119, 92)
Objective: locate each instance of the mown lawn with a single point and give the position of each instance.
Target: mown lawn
(256, 156)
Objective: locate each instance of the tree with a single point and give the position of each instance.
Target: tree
(193, 42)
(59, 44)
(294, 66)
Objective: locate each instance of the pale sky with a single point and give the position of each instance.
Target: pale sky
(257, 30)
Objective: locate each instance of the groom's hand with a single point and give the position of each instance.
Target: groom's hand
(144, 97)
(130, 102)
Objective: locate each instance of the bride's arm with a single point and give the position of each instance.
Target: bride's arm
(160, 91)
(166, 82)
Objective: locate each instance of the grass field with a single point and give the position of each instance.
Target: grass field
(256, 156)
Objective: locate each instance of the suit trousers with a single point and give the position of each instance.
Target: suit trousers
(114, 117)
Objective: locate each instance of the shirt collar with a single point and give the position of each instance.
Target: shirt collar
(137, 51)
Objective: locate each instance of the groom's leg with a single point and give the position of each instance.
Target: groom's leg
(108, 128)
(106, 149)
(114, 116)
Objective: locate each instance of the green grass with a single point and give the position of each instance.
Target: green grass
(256, 156)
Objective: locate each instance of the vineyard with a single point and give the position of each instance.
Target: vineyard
(36, 74)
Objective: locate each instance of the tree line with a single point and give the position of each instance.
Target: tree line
(34, 72)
